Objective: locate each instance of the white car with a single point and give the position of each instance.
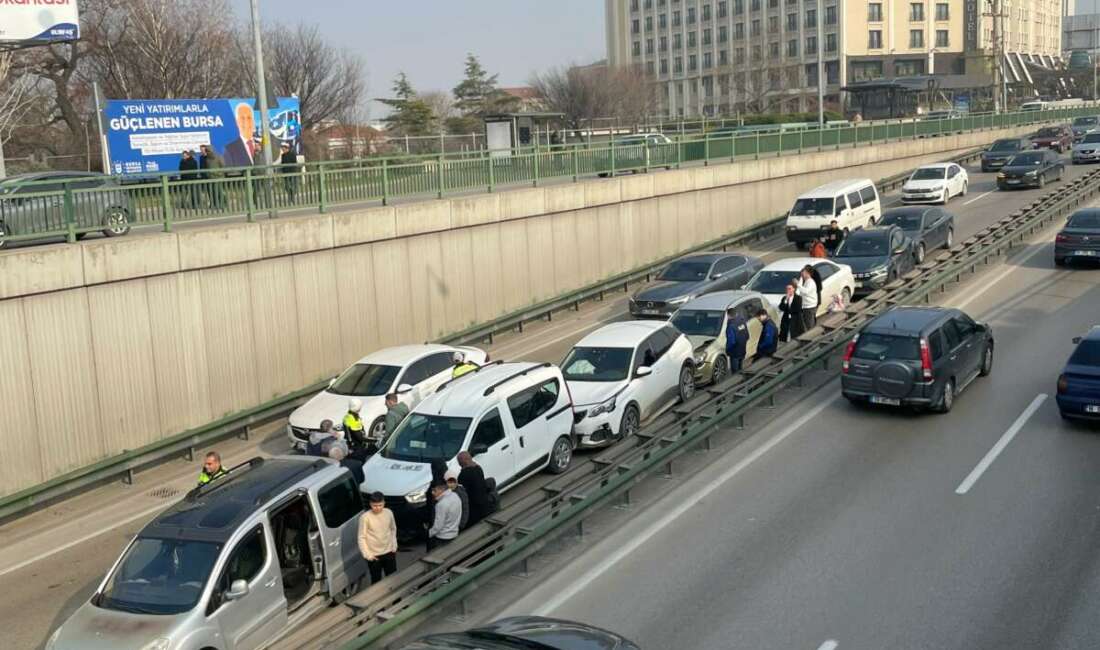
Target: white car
(935, 183)
(411, 371)
(833, 280)
(625, 373)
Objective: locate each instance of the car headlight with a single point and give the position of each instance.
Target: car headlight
(700, 358)
(877, 272)
(600, 409)
(681, 300)
(419, 495)
(1031, 173)
(158, 644)
(1000, 176)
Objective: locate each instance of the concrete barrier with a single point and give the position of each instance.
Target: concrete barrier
(114, 344)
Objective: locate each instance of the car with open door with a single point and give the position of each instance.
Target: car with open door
(929, 227)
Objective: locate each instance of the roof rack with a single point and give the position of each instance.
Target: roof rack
(467, 374)
(222, 479)
(489, 390)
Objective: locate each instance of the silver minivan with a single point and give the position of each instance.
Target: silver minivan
(228, 566)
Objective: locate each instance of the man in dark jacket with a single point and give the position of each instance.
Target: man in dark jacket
(189, 171)
(832, 237)
(791, 307)
(737, 340)
(288, 167)
(769, 336)
(212, 165)
(472, 477)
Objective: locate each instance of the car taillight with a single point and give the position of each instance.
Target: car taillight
(925, 360)
(1061, 239)
(1063, 384)
(848, 354)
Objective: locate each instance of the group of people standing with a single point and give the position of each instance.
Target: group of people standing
(210, 166)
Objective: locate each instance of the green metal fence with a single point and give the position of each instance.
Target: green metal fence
(75, 207)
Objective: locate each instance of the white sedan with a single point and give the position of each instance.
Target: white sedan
(411, 371)
(832, 280)
(935, 183)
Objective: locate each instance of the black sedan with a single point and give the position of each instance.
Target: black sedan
(1079, 238)
(689, 277)
(1031, 169)
(1000, 151)
(928, 227)
(526, 633)
(877, 256)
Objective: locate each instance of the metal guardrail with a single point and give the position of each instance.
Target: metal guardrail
(76, 207)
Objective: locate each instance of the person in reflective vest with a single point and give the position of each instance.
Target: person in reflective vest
(462, 366)
(211, 468)
(353, 424)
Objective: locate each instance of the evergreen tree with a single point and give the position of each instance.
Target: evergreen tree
(476, 96)
(409, 115)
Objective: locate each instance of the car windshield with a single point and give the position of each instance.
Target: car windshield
(812, 207)
(1026, 159)
(1086, 354)
(159, 576)
(864, 245)
(929, 174)
(903, 220)
(1091, 138)
(366, 379)
(424, 438)
(698, 322)
(1085, 121)
(1084, 220)
(1048, 132)
(1005, 145)
(685, 271)
(597, 364)
(771, 281)
(880, 347)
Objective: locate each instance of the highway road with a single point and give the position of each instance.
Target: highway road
(55, 558)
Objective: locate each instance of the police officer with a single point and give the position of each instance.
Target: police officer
(353, 424)
(211, 468)
(737, 340)
(461, 365)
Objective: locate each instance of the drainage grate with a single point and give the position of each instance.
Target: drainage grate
(164, 492)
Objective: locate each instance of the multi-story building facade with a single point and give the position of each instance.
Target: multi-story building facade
(719, 56)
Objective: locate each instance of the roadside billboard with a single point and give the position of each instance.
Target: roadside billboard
(38, 21)
(149, 135)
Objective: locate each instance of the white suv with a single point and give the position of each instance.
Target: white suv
(411, 371)
(514, 418)
(625, 373)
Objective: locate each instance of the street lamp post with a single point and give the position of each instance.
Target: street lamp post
(821, 63)
(261, 86)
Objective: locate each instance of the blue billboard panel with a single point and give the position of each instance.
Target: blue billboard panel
(150, 135)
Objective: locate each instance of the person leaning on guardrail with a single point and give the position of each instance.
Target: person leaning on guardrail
(448, 514)
(472, 478)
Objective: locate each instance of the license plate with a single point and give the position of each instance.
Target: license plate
(889, 401)
(649, 312)
(859, 284)
(1085, 253)
(1012, 181)
(1092, 408)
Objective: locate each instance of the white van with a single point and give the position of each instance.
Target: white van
(514, 418)
(853, 203)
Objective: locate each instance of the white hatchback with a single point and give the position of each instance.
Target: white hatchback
(832, 280)
(625, 373)
(411, 371)
(935, 183)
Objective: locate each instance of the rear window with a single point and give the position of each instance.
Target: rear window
(882, 347)
(1005, 145)
(1086, 354)
(1085, 220)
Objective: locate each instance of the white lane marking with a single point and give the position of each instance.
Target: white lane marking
(991, 456)
(81, 540)
(828, 645)
(979, 197)
(980, 290)
(633, 545)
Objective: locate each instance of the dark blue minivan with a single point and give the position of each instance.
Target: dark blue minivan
(1079, 383)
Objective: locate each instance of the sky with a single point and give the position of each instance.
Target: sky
(429, 39)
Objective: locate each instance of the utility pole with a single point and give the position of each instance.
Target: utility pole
(1000, 73)
(821, 64)
(261, 86)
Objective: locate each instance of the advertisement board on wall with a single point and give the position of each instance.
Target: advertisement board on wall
(149, 135)
(39, 21)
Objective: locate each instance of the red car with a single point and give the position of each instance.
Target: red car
(1058, 138)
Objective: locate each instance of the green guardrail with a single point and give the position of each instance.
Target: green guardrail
(72, 207)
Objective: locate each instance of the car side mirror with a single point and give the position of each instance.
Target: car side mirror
(715, 276)
(237, 590)
(478, 449)
(899, 250)
(331, 382)
(403, 388)
(1076, 340)
(643, 371)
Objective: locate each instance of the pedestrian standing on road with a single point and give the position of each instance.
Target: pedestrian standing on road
(810, 294)
(833, 237)
(378, 538)
(790, 305)
(340, 455)
(472, 478)
(189, 172)
(448, 514)
(817, 249)
(211, 468)
(320, 441)
(737, 340)
(461, 365)
(769, 336)
(396, 412)
(212, 165)
(288, 167)
(453, 486)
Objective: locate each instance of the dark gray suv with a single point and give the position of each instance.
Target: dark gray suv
(35, 203)
(916, 356)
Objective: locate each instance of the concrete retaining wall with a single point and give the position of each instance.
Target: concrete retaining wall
(113, 344)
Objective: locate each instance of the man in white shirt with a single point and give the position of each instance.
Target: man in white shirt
(808, 292)
(448, 515)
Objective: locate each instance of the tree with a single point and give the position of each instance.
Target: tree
(586, 93)
(476, 96)
(441, 103)
(410, 115)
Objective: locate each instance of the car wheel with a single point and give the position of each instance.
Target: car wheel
(950, 237)
(1059, 176)
(561, 455)
(846, 297)
(1059, 261)
(116, 223)
(966, 187)
(920, 253)
(947, 399)
(377, 430)
(687, 383)
(800, 245)
(987, 361)
(721, 370)
(3, 234)
(630, 422)
(1042, 181)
